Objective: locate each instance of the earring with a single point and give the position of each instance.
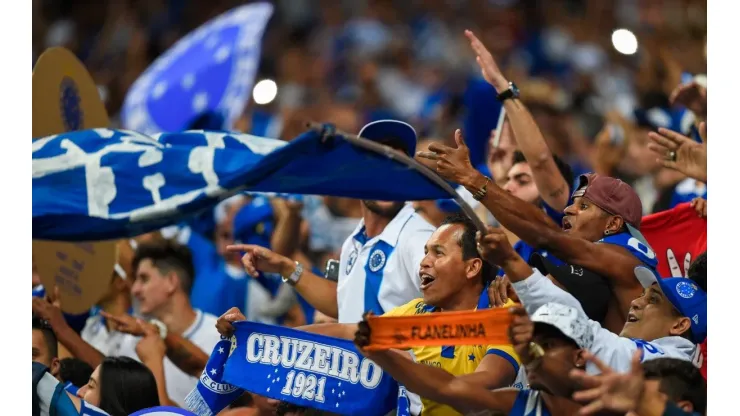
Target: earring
(607, 232)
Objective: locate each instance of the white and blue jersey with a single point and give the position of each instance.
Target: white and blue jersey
(644, 253)
(380, 273)
(529, 403)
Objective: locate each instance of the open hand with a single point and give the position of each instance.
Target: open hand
(259, 259)
(617, 392)
(680, 153)
(223, 324)
(453, 164)
(488, 67)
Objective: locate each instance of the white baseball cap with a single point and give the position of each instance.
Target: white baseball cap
(567, 320)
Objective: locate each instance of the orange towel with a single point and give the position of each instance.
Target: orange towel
(483, 327)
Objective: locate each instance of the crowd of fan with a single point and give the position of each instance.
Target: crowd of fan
(148, 339)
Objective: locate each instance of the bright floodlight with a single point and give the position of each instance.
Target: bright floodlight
(624, 41)
(264, 91)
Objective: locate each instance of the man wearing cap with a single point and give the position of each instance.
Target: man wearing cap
(378, 263)
(600, 228)
(668, 319)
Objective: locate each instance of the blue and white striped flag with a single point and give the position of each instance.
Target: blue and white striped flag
(103, 184)
(210, 70)
(212, 394)
(51, 398)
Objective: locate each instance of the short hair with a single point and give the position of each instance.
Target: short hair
(126, 386)
(679, 379)
(469, 245)
(167, 256)
(698, 271)
(563, 167)
(75, 371)
(49, 338)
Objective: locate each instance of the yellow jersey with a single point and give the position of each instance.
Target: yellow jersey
(456, 360)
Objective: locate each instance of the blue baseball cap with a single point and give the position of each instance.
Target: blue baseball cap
(685, 295)
(382, 130)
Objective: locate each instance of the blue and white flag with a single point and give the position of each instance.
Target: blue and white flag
(212, 394)
(308, 370)
(210, 70)
(50, 397)
(101, 184)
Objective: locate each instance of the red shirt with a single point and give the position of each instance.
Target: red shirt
(677, 236)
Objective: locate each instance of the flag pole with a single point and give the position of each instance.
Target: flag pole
(328, 130)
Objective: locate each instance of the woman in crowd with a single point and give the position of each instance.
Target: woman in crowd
(120, 386)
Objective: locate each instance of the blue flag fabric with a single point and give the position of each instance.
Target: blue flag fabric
(104, 184)
(212, 394)
(308, 370)
(209, 71)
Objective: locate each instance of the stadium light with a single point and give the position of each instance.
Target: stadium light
(264, 91)
(624, 41)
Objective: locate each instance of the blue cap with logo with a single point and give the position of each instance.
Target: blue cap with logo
(382, 130)
(685, 295)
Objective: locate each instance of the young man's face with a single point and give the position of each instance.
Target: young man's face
(41, 353)
(386, 209)
(652, 387)
(520, 183)
(443, 271)
(652, 316)
(151, 288)
(585, 220)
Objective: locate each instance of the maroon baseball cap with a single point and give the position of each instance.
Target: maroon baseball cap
(615, 197)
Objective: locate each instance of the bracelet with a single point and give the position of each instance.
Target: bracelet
(480, 193)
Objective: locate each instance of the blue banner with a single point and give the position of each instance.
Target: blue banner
(308, 370)
(103, 184)
(209, 71)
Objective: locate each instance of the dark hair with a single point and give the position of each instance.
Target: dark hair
(167, 256)
(75, 371)
(563, 167)
(679, 380)
(469, 246)
(698, 271)
(49, 338)
(126, 386)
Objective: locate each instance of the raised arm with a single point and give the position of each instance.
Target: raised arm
(66, 335)
(285, 239)
(319, 292)
(530, 141)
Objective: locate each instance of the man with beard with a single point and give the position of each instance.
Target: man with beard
(379, 261)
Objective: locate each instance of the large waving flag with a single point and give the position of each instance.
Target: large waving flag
(211, 70)
(102, 184)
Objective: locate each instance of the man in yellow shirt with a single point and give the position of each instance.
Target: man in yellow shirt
(453, 278)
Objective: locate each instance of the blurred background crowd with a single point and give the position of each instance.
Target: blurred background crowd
(594, 92)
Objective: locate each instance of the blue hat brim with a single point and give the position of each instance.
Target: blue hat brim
(696, 304)
(382, 130)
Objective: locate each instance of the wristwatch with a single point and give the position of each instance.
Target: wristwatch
(161, 326)
(511, 92)
(295, 276)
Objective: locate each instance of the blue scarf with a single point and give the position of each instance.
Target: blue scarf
(212, 394)
(293, 366)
